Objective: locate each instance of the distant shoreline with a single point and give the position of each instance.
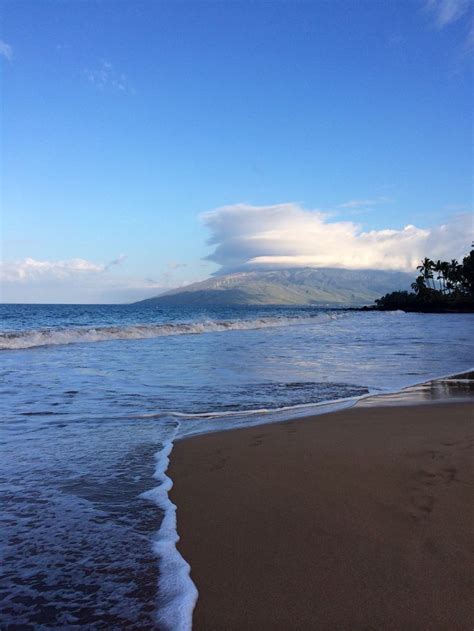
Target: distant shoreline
(425, 309)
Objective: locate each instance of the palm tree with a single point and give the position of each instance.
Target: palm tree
(466, 274)
(454, 275)
(419, 286)
(426, 268)
(445, 273)
(438, 268)
(442, 268)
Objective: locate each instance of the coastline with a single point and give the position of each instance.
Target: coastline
(358, 519)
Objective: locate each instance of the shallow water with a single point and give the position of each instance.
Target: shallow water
(82, 422)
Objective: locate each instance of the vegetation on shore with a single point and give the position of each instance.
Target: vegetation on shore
(440, 287)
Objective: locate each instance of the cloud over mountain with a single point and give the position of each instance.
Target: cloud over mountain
(288, 235)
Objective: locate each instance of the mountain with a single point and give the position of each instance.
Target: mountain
(295, 286)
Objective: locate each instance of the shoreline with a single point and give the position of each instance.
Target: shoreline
(356, 519)
(445, 388)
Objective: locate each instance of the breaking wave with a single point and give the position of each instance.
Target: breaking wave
(13, 340)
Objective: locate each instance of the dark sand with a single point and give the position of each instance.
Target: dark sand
(360, 519)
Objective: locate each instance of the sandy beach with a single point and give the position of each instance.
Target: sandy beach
(359, 519)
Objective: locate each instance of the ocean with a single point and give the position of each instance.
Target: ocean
(92, 398)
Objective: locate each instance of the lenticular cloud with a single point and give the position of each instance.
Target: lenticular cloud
(288, 235)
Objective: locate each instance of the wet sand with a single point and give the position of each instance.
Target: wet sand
(359, 519)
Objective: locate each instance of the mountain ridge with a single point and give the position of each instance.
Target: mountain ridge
(293, 286)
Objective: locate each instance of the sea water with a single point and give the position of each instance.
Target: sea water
(92, 398)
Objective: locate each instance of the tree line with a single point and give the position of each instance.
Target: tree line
(440, 286)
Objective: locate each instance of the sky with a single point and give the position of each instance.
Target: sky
(146, 145)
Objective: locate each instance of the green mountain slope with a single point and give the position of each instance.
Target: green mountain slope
(300, 286)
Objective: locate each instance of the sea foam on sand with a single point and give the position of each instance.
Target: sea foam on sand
(177, 593)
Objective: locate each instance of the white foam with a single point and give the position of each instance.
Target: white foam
(280, 415)
(177, 593)
(235, 414)
(12, 340)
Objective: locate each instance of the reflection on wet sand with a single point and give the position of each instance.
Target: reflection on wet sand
(459, 387)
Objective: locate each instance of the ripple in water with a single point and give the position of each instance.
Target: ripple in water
(82, 423)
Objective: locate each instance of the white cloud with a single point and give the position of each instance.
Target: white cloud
(364, 203)
(73, 280)
(80, 281)
(447, 12)
(105, 76)
(469, 43)
(31, 269)
(288, 235)
(174, 265)
(117, 261)
(6, 50)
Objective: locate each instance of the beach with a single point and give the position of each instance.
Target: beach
(273, 520)
(357, 519)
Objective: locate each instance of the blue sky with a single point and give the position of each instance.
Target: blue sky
(124, 122)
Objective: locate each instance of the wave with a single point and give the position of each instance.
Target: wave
(251, 412)
(14, 340)
(177, 592)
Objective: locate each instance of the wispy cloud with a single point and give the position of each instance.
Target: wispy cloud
(173, 265)
(31, 269)
(6, 50)
(172, 276)
(117, 261)
(447, 12)
(458, 208)
(288, 235)
(71, 281)
(469, 43)
(106, 77)
(364, 203)
(82, 281)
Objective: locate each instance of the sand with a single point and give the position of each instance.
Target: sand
(360, 519)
